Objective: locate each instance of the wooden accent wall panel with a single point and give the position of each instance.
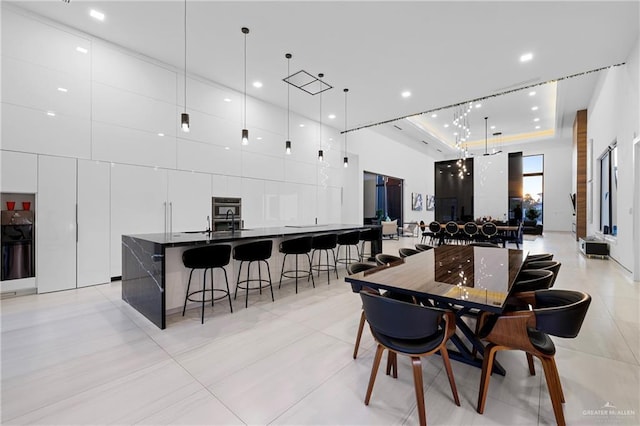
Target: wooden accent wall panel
(580, 144)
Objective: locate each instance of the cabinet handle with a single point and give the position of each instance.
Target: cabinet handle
(170, 217)
(77, 223)
(165, 216)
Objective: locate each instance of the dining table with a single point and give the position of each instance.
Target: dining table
(465, 279)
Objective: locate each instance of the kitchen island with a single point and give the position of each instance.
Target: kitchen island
(154, 279)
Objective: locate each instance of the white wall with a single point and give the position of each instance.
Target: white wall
(614, 115)
(491, 186)
(118, 102)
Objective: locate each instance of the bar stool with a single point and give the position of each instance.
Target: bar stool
(207, 258)
(348, 239)
(324, 243)
(256, 251)
(369, 235)
(296, 247)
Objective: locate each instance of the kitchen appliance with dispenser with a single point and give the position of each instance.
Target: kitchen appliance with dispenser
(17, 244)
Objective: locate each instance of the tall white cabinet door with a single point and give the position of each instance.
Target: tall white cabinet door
(56, 224)
(189, 195)
(138, 206)
(93, 222)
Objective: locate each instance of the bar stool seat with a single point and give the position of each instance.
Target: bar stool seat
(324, 243)
(348, 239)
(207, 258)
(256, 251)
(296, 247)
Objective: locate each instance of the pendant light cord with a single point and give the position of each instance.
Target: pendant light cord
(288, 100)
(345, 121)
(185, 56)
(321, 75)
(245, 80)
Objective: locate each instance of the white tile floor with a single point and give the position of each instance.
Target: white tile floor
(86, 357)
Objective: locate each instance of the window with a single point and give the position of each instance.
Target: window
(609, 190)
(532, 186)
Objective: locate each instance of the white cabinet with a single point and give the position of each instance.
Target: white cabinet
(56, 224)
(189, 197)
(19, 172)
(138, 206)
(93, 223)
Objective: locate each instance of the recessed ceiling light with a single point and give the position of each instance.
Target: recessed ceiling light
(259, 138)
(526, 57)
(434, 115)
(493, 127)
(446, 125)
(332, 116)
(406, 94)
(534, 108)
(537, 127)
(51, 113)
(330, 139)
(536, 119)
(227, 148)
(160, 134)
(532, 93)
(62, 89)
(97, 15)
(301, 125)
(257, 84)
(227, 100)
(81, 49)
(455, 133)
(478, 105)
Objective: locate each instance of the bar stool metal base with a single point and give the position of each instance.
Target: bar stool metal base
(347, 257)
(245, 284)
(321, 267)
(297, 273)
(225, 294)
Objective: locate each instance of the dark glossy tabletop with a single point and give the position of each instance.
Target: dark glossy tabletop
(479, 277)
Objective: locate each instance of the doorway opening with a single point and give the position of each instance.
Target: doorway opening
(383, 198)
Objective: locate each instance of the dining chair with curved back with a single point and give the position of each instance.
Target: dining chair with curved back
(546, 265)
(386, 259)
(536, 257)
(552, 312)
(354, 268)
(423, 247)
(532, 279)
(406, 252)
(489, 232)
(435, 232)
(471, 231)
(412, 330)
(484, 244)
(452, 230)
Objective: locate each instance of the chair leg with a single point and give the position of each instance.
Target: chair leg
(551, 374)
(417, 380)
(532, 368)
(259, 277)
(282, 273)
(313, 282)
(335, 261)
(235, 293)
(359, 335)
(487, 366)
(326, 252)
(392, 364)
(204, 294)
(226, 280)
(447, 365)
(374, 371)
(555, 368)
(270, 284)
(186, 298)
(246, 291)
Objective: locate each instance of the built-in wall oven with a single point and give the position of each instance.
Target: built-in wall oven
(226, 213)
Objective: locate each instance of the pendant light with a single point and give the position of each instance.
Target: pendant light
(320, 152)
(485, 136)
(245, 131)
(346, 158)
(184, 117)
(288, 142)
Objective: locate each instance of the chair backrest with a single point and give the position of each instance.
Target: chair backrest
(354, 268)
(423, 247)
(256, 250)
(406, 252)
(349, 238)
(560, 312)
(422, 225)
(484, 244)
(470, 228)
(435, 227)
(383, 259)
(299, 245)
(451, 228)
(489, 229)
(533, 279)
(400, 320)
(546, 265)
(535, 257)
(324, 241)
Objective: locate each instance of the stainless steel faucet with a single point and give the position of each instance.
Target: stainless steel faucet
(208, 224)
(233, 220)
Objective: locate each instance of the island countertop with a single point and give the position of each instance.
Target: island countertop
(176, 239)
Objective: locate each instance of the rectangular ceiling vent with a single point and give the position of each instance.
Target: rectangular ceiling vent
(399, 128)
(425, 142)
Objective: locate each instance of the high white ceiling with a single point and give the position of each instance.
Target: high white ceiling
(444, 53)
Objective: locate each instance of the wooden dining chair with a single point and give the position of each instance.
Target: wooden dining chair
(552, 312)
(546, 265)
(406, 252)
(412, 330)
(423, 247)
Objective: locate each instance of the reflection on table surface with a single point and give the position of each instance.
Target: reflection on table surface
(478, 277)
